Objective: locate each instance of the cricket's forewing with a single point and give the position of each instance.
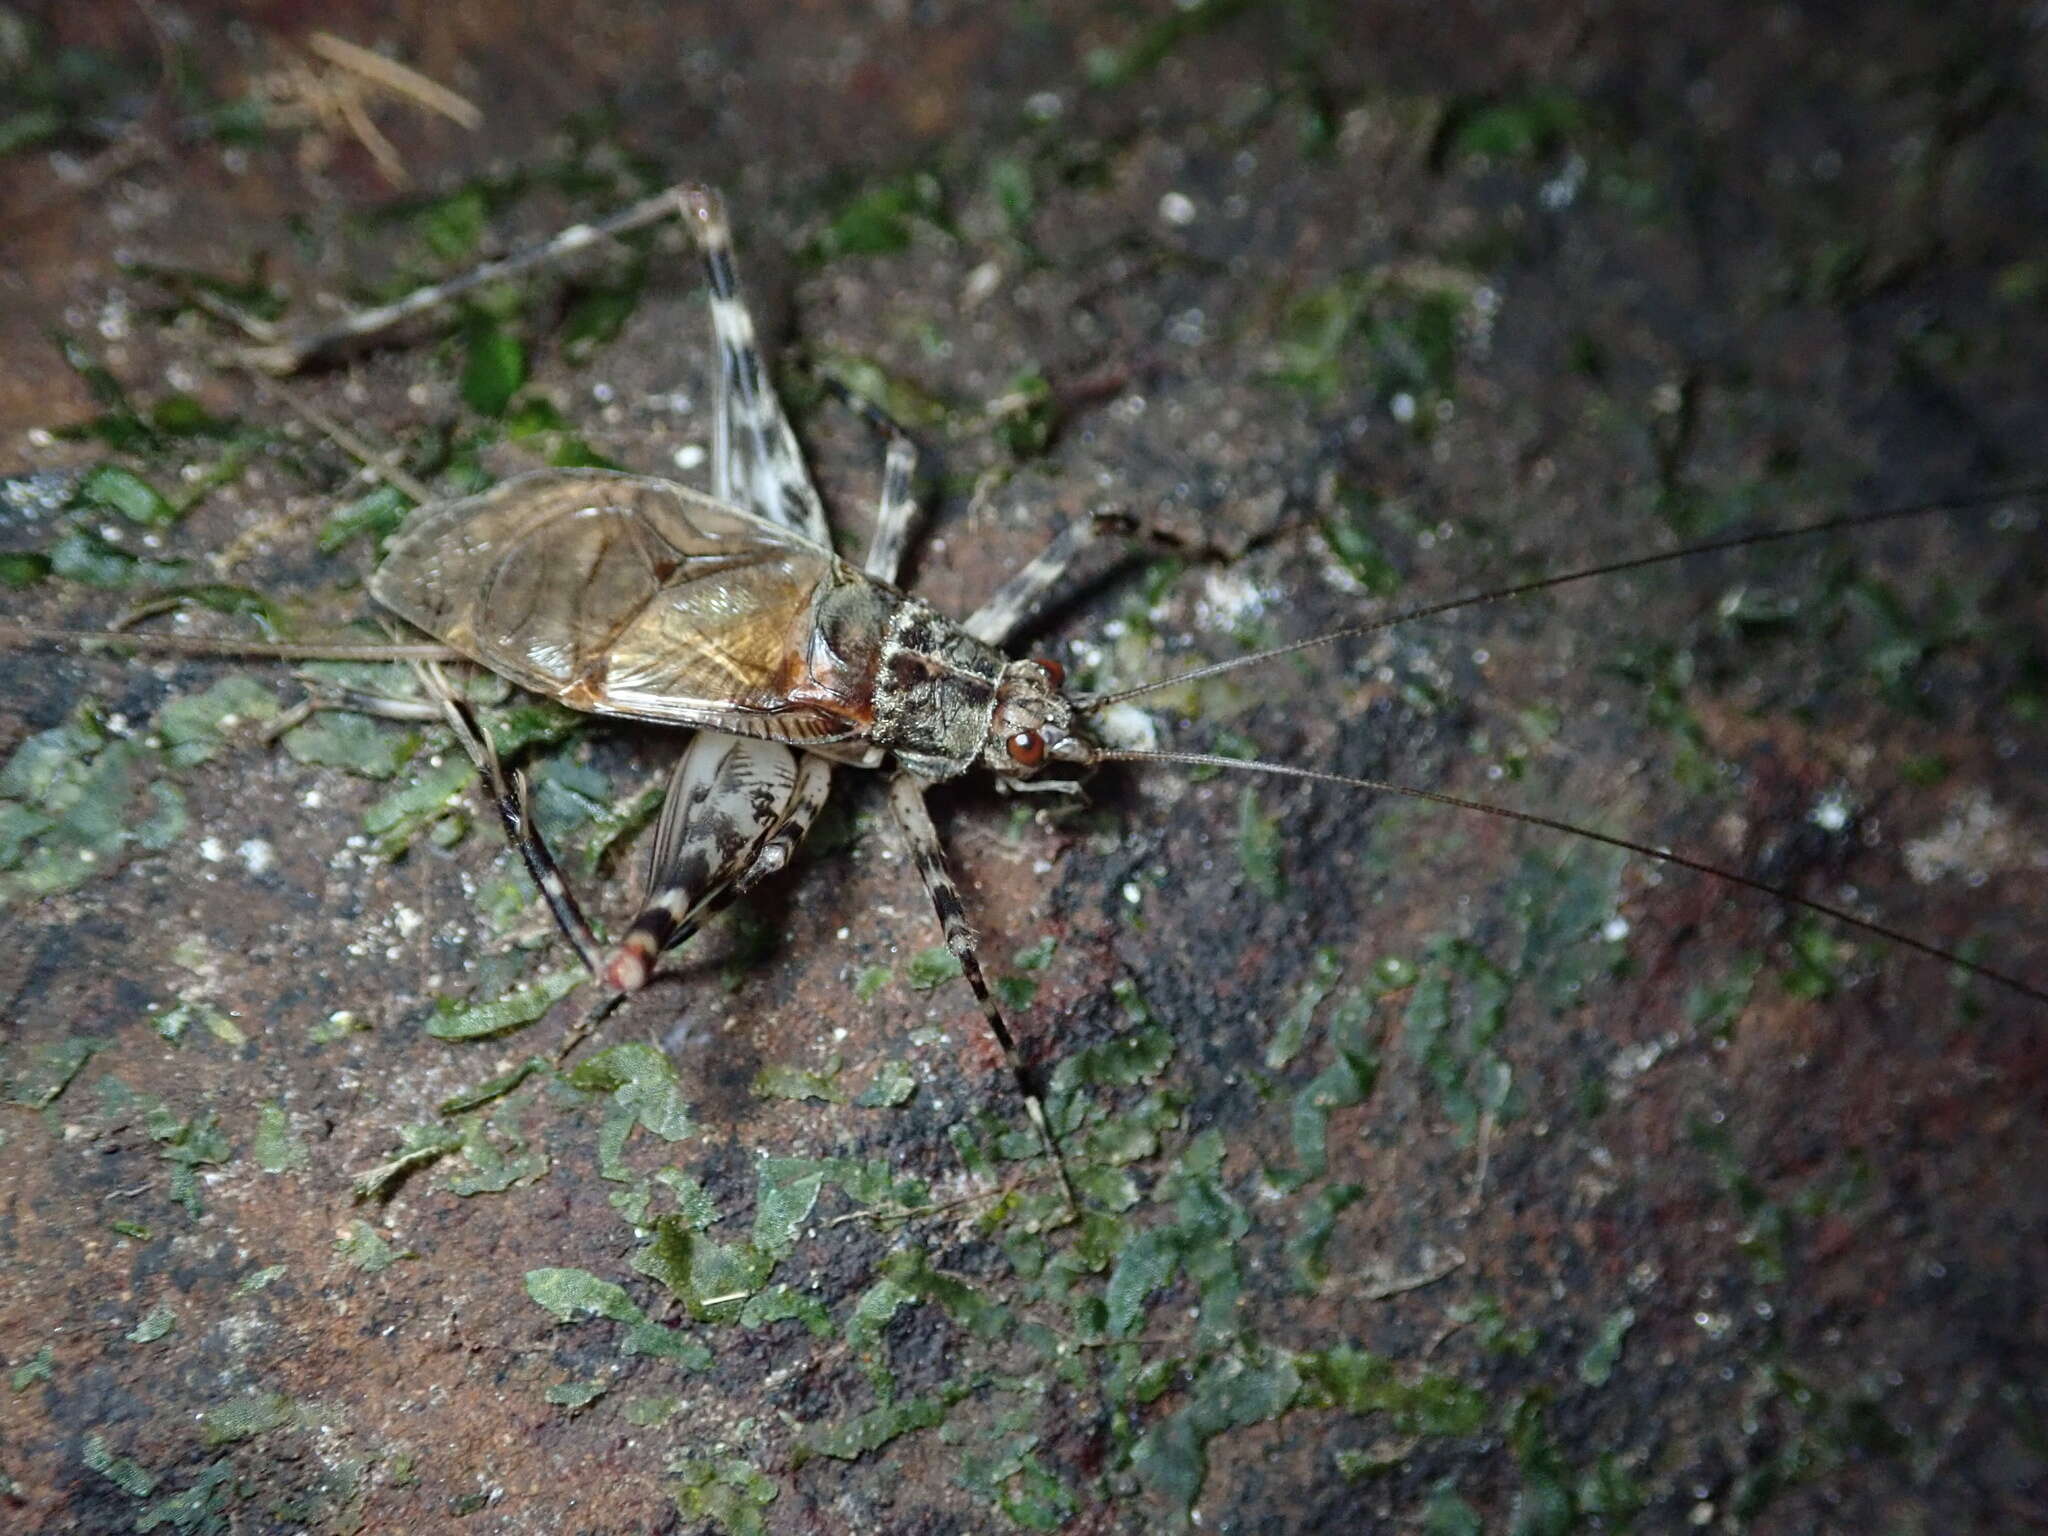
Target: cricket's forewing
(621, 595)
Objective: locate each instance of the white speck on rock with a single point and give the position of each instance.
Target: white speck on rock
(1977, 839)
(1831, 812)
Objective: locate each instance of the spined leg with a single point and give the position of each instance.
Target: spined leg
(906, 799)
(508, 794)
(897, 508)
(893, 516)
(1011, 604)
(755, 461)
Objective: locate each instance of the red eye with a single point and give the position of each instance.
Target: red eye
(1055, 674)
(1027, 749)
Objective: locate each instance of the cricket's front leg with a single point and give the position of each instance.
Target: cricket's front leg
(998, 619)
(735, 811)
(906, 799)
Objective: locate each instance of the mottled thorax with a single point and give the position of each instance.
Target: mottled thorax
(935, 692)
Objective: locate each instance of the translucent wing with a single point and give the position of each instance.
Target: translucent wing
(630, 596)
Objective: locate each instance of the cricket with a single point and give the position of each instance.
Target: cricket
(726, 613)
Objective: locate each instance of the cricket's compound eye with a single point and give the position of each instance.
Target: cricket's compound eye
(1027, 749)
(1055, 674)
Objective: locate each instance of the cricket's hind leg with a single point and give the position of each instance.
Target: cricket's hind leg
(736, 809)
(755, 460)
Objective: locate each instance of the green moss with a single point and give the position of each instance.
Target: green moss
(1228, 1392)
(891, 1086)
(491, 1089)
(275, 1148)
(784, 1080)
(201, 1509)
(904, 400)
(878, 218)
(419, 1147)
(109, 487)
(1113, 68)
(489, 1017)
(23, 568)
(362, 1247)
(1292, 1031)
(90, 558)
(1600, 1358)
(569, 1295)
(1316, 1226)
(1818, 955)
(73, 799)
(929, 968)
(40, 1074)
(495, 1165)
(39, 1367)
(1448, 1515)
(786, 1190)
(494, 364)
(870, 1431)
(158, 1323)
(355, 744)
(709, 1277)
(375, 516)
(724, 1490)
(188, 1146)
(779, 1303)
(1529, 126)
(1394, 335)
(1491, 1328)
(1347, 533)
(1015, 993)
(574, 1395)
(1260, 846)
(246, 1418)
(124, 1474)
(194, 728)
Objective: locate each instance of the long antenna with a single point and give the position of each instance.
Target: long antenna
(210, 645)
(1585, 573)
(1627, 845)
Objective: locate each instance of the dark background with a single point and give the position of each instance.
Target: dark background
(1444, 1175)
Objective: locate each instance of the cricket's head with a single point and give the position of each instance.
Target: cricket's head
(1033, 723)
